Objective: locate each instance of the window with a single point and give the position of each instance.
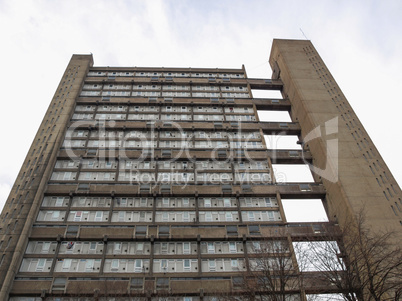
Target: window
(234, 264)
(232, 247)
(229, 216)
(67, 176)
(268, 202)
(89, 265)
(66, 264)
(140, 247)
(212, 265)
(55, 215)
(254, 229)
(122, 202)
(115, 265)
(45, 247)
(231, 230)
(186, 216)
(164, 264)
(207, 203)
(226, 202)
(101, 202)
(208, 216)
(164, 230)
(256, 246)
(162, 283)
(137, 283)
(72, 230)
(143, 202)
(138, 265)
(92, 247)
(251, 216)
(211, 248)
(141, 230)
(164, 248)
(59, 201)
(165, 201)
(165, 177)
(186, 248)
(98, 216)
(117, 248)
(187, 265)
(40, 265)
(304, 187)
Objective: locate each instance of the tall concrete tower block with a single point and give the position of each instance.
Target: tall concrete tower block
(353, 172)
(156, 183)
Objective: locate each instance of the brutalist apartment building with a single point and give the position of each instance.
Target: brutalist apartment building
(157, 183)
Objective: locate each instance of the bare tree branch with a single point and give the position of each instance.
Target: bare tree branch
(364, 265)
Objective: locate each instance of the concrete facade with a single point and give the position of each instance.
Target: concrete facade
(364, 182)
(152, 182)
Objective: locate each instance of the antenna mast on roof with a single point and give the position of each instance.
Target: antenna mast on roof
(303, 33)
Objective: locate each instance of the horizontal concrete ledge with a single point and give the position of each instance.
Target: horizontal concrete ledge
(290, 190)
(265, 84)
(274, 104)
(324, 231)
(282, 156)
(278, 128)
(313, 283)
(255, 83)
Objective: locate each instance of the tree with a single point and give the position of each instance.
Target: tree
(364, 265)
(272, 274)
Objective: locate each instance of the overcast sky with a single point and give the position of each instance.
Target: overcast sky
(360, 42)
